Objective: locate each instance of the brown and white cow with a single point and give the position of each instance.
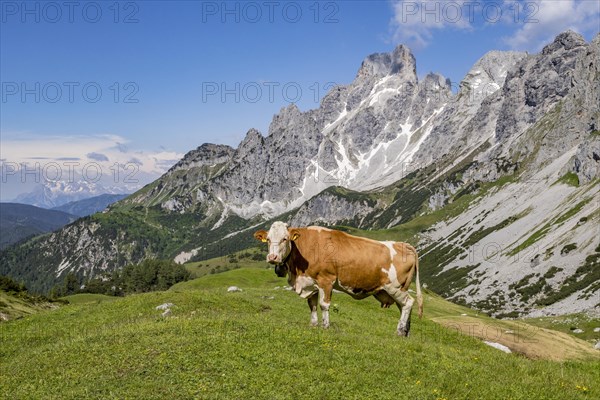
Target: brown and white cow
(318, 260)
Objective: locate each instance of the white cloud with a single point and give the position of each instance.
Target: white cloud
(548, 18)
(414, 22)
(105, 150)
(30, 160)
(530, 23)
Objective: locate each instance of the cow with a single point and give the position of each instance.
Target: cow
(318, 260)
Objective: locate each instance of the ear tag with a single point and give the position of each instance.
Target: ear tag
(296, 236)
(264, 240)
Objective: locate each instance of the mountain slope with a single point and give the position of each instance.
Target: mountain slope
(19, 221)
(474, 179)
(85, 207)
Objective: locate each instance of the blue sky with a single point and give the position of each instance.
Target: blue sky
(162, 66)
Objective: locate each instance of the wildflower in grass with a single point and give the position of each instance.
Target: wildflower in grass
(581, 388)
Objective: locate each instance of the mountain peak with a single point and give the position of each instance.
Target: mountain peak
(435, 78)
(567, 40)
(252, 137)
(205, 154)
(400, 60)
(489, 72)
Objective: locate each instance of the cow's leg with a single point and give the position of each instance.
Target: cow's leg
(313, 300)
(405, 303)
(325, 301)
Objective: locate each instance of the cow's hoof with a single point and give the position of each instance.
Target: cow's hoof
(402, 333)
(325, 326)
(314, 324)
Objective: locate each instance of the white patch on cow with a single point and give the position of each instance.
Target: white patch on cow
(314, 318)
(391, 273)
(305, 286)
(318, 228)
(324, 308)
(338, 286)
(278, 232)
(390, 245)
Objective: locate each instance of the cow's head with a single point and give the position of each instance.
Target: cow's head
(279, 238)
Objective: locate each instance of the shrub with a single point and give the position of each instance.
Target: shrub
(568, 248)
(8, 284)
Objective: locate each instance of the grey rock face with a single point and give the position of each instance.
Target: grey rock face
(330, 209)
(586, 163)
(205, 155)
(565, 106)
(337, 144)
(379, 65)
(470, 117)
(180, 188)
(537, 83)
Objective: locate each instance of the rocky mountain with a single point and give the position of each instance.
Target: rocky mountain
(85, 207)
(496, 184)
(20, 221)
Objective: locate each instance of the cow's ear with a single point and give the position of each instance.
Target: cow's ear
(261, 235)
(294, 234)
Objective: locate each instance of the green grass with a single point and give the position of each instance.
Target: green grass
(15, 306)
(253, 257)
(257, 344)
(570, 178)
(587, 276)
(88, 298)
(540, 233)
(247, 277)
(568, 323)
(409, 231)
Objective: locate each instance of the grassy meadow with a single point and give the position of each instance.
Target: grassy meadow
(257, 344)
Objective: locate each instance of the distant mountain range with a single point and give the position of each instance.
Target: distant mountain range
(89, 206)
(497, 184)
(54, 194)
(20, 221)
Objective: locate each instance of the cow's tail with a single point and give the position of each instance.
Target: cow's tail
(418, 284)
